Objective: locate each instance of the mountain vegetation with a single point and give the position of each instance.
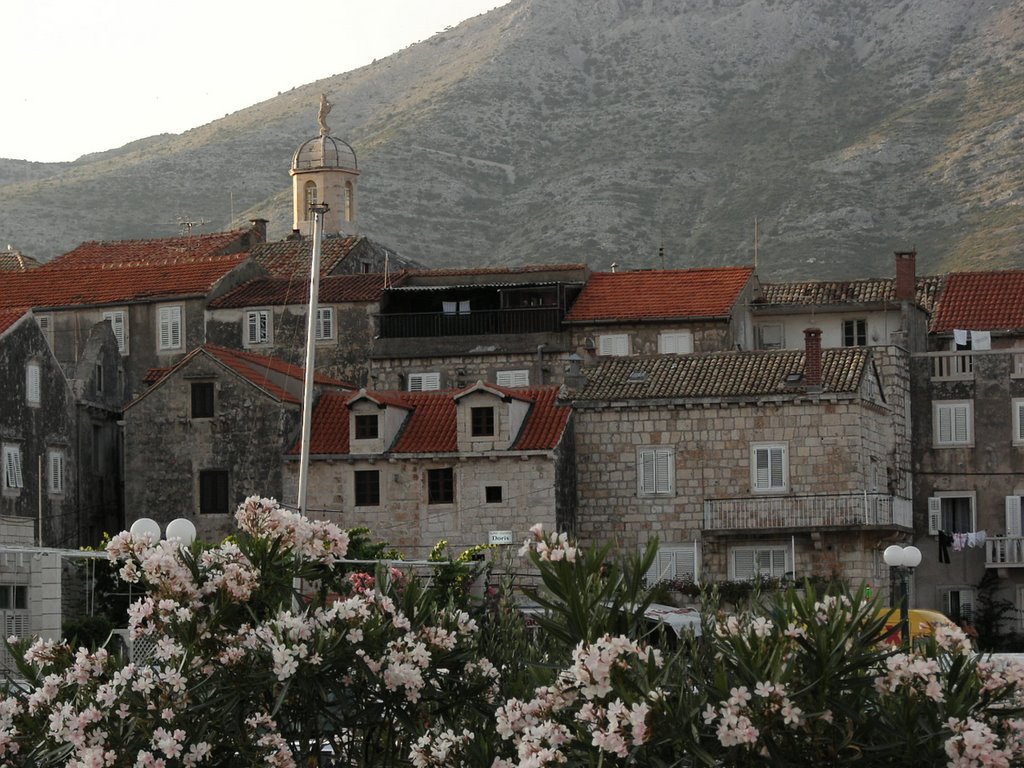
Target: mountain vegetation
(646, 133)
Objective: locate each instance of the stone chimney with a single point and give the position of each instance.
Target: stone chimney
(575, 379)
(812, 357)
(259, 230)
(906, 275)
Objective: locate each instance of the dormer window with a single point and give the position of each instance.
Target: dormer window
(367, 426)
(482, 422)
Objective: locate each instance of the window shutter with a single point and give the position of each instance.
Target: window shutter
(423, 382)
(1013, 522)
(777, 474)
(743, 564)
(934, 515)
(252, 326)
(119, 324)
(513, 378)
(1019, 423)
(675, 343)
(960, 424)
(32, 375)
(945, 425)
(662, 467)
(647, 472)
(324, 323)
(56, 472)
(12, 467)
(46, 326)
(614, 345)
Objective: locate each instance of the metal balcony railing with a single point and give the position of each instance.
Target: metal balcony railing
(478, 322)
(831, 510)
(1004, 552)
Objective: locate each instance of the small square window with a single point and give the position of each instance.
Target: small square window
(493, 494)
(855, 333)
(441, 486)
(202, 400)
(367, 488)
(482, 422)
(366, 426)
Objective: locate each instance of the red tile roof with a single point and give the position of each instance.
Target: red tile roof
(824, 293)
(16, 261)
(981, 301)
(278, 291)
(9, 317)
(291, 258)
(659, 294)
(431, 425)
(279, 379)
(105, 273)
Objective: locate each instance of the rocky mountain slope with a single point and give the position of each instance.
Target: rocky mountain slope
(643, 132)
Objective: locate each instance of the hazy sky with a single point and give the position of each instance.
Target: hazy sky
(80, 76)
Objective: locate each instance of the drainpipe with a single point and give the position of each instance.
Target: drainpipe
(307, 396)
(540, 363)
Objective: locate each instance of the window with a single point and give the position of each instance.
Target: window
(1018, 421)
(482, 422)
(13, 596)
(324, 330)
(958, 603)
(311, 198)
(33, 373)
(367, 488)
(674, 563)
(951, 512)
(118, 320)
(769, 469)
(494, 494)
(855, 333)
(770, 336)
(519, 378)
(422, 382)
(350, 198)
(168, 328)
(441, 486)
(655, 471)
(675, 343)
(99, 378)
(46, 326)
(258, 327)
(1014, 516)
(613, 344)
(366, 426)
(55, 472)
(13, 480)
(752, 562)
(952, 423)
(213, 492)
(202, 400)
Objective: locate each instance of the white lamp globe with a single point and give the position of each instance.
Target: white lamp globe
(911, 557)
(182, 531)
(893, 555)
(146, 527)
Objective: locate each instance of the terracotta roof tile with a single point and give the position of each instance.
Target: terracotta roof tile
(9, 317)
(107, 273)
(278, 291)
(291, 258)
(981, 301)
(660, 294)
(824, 293)
(473, 271)
(720, 374)
(431, 424)
(16, 261)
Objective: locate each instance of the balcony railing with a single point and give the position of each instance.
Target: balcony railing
(952, 365)
(477, 322)
(1004, 552)
(833, 510)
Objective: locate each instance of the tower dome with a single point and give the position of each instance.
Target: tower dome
(324, 170)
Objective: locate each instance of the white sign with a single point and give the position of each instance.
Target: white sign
(500, 537)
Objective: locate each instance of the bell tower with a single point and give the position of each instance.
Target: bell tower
(324, 170)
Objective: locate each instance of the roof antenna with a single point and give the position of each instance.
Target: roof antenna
(755, 243)
(187, 225)
(661, 255)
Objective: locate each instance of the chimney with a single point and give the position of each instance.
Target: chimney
(259, 230)
(574, 376)
(906, 275)
(812, 357)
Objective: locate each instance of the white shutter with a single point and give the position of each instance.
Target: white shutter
(513, 378)
(934, 515)
(662, 469)
(119, 323)
(673, 563)
(647, 472)
(613, 345)
(1013, 521)
(423, 382)
(777, 468)
(169, 320)
(32, 375)
(945, 427)
(12, 467)
(1018, 422)
(743, 564)
(324, 323)
(675, 343)
(46, 326)
(257, 327)
(55, 472)
(960, 424)
(762, 474)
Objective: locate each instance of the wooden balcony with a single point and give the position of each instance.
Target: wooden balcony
(854, 510)
(1004, 552)
(484, 322)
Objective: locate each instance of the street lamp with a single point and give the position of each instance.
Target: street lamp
(904, 560)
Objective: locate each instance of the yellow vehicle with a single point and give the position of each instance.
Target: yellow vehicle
(922, 623)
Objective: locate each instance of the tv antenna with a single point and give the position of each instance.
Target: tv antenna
(187, 225)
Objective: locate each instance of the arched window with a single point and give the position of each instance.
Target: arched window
(349, 199)
(311, 199)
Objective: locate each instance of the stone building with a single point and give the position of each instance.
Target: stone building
(663, 312)
(268, 316)
(968, 416)
(473, 465)
(443, 328)
(40, 469)
(210, 431)
(740, 463)
(152, 292)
